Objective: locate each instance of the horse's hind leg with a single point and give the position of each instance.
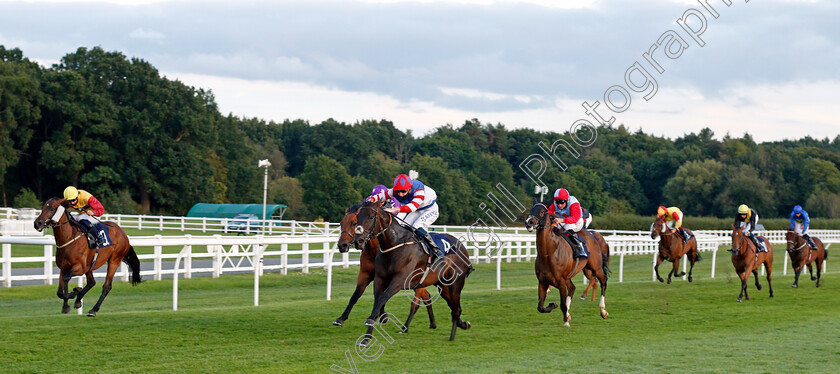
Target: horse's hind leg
(587, 273)
(602, 305)
(811, 271)
(452, 295)
(420, 296)
(90, 283)
(427, 300)
(109, 278)
(819, 270)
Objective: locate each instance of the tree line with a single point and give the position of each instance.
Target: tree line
(143, 143)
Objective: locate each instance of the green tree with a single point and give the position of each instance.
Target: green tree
(288, 191)
(327, 188)
(27, 199)
(20, 96)
(695, 187)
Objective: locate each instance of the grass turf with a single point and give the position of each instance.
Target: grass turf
(653, 327)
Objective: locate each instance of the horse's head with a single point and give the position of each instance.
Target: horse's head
(657, 228)
(793, 240)
(348, 227)
(538, 218)
(371, 221)
(51, 213)
(738, 240)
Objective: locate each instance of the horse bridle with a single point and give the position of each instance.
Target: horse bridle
(798, 238)
(368, 236)
(540, 225)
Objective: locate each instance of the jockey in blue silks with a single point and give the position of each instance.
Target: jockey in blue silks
(799, 223)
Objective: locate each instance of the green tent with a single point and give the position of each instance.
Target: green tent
(273, 211)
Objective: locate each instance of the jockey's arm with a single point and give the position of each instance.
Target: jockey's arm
(419, 197)
(806, 223)
(677, 220)
(96, 206)
(574, 214)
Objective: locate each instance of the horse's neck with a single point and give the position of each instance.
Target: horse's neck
(544, 235)
(393, 235)
(64, 231)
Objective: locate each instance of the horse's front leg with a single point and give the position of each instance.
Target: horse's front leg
(796, 271)
(362, 281)
(90, 283)
(63, 280)
(811, 270)
(659, 260)
(542, 290)
(564, 306)
(383, 290)
(755, 275)
(743, 277)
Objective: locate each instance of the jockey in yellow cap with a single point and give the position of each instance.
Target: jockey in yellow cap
(673, 217)
(746, 219)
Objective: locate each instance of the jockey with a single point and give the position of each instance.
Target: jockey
(88, 207)
(418, 201)
(389, 203)
(799, 223)
(746, 219)
(673, 217)
(568, 215)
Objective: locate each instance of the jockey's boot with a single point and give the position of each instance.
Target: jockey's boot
(577, 245)
(438, 253)
(810, 241)
(758, 246)
(683, 234)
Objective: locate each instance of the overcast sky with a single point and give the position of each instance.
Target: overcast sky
(768, 67)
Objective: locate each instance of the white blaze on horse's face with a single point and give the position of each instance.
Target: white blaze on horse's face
(58, 213)
(359, 230)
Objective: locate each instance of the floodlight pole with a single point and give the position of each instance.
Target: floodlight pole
(265, 164)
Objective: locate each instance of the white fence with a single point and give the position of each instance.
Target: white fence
(239, 254)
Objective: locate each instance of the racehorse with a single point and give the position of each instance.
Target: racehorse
(672, 248)
(747, 259)
(401, 264)
(367, 273)
(801, 254)
(589, 274)
(555, 266)
(74, 257)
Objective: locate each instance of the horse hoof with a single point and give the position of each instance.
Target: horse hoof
(757, 286)
(364, 342)
(738, 299)
(77, 304)
(65, 309)
(468, 325)
(433, 326)
(91, 314)
(794, 285)
(77, 290)
(552, 306)
(384, 319)
(338, 322)
(813, 278)
(604, 314)
(690, 279)
(582, 298)
(660, 280)
(403, 330)
(369, 322)
(669, 280)
(566, 324)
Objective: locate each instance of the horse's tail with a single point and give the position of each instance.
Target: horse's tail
(605, 260)
(133, 263)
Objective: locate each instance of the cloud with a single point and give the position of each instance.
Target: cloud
(149, 35)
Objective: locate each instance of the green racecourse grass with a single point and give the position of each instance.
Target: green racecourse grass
(653, 327)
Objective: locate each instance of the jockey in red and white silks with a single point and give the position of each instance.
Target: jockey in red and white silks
(419, 201)
(567, 212)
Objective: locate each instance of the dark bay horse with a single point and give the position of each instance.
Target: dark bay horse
(73, 256)
(555, 265)
(401, 262)
(367, 271)
(672, 248)
(747, 259)
(589, 274)
(801, 255)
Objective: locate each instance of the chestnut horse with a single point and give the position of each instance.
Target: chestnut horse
(747, 259)
(367, 273)
(672, 248)
(74, 257)
(403, 265)
(555, 265)
(589, 274)
(801, 254)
